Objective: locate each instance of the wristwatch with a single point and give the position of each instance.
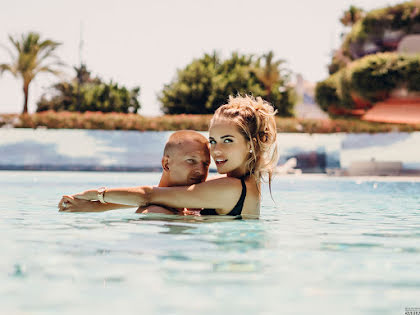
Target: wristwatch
(101, 193)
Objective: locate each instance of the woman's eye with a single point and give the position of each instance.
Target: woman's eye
(212, 141)
(227, 140)
(190, 161)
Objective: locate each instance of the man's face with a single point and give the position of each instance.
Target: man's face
(189, 164)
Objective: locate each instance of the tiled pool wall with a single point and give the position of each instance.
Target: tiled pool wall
(68, 149)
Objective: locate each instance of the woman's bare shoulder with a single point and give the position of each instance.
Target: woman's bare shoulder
(216, 176)
(222, 180)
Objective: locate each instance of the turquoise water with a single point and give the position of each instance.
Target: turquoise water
(328, 246)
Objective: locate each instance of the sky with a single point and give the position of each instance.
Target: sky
(143, 43)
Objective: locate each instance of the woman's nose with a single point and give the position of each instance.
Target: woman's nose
(215, 149)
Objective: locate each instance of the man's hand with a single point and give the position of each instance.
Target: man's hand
(195, 212)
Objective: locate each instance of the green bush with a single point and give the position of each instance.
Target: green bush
(384, 72)
(326, 93)
(112, 121)
(376, 73)
(191, 91)
(120, 121)
(372, 78)
(206, 83)
(404, 17)
(413, 75)
(84, 93)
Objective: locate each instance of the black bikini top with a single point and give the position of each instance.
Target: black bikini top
(237, 210)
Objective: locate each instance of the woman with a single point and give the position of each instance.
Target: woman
(242, 138)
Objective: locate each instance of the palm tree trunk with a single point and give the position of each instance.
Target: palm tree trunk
(25, 101)
(268, 94)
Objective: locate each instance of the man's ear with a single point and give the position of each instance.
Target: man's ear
(165, 163)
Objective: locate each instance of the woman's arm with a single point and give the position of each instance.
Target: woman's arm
(79, 205)
(130, 196)
(222, 193)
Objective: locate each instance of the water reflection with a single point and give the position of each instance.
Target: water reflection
(177, 229)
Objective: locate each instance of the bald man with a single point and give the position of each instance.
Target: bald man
(185, 161)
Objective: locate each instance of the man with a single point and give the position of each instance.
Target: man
(185, 161)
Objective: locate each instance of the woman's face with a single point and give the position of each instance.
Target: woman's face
(228, 148)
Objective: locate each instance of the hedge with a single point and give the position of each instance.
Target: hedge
(119, 121)
(372, 78)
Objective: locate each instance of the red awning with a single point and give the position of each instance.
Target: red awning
(401, 111)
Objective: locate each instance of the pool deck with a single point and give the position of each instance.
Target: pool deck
(401, 178)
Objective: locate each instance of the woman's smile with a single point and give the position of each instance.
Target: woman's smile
(220, 162)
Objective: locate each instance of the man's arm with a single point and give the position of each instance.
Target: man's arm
(156, 209)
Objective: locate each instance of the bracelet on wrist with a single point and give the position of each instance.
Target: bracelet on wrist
(101, 194)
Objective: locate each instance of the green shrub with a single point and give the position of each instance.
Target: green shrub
(372, 78)
(206, 83)
(120, 121)
(403, 17)
(326, 93)
(413, 75)
(84, 93)
(376, 75)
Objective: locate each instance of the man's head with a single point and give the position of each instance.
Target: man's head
(186, 159)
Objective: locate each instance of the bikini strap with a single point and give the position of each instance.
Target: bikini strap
(237, 210)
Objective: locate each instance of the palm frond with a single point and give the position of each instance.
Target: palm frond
(5, 67)
(15, 44)
(49, 70)
(49, 43)
(47, 53)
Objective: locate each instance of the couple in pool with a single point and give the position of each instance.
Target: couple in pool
(242, 143)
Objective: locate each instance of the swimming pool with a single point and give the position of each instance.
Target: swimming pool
(328, 246)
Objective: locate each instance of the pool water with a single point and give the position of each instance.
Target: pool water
(325, 246)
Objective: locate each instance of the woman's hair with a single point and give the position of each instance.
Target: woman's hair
(254, 118)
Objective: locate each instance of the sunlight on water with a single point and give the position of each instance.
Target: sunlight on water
(326, 244)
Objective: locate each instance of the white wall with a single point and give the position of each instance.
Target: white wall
(65, 148)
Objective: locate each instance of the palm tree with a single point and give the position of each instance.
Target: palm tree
(270, 74)
(31, 56)
(352, 15)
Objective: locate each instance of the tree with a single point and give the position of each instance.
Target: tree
(352, 15)
(206, 83)
(234, 76)
(192, 88)
(30, 57)
(376, 31)
(269, 74)
(87, 93)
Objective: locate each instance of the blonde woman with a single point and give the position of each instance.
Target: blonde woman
(242, 137)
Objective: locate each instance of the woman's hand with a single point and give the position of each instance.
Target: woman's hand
(71, 204)
(114, 199)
